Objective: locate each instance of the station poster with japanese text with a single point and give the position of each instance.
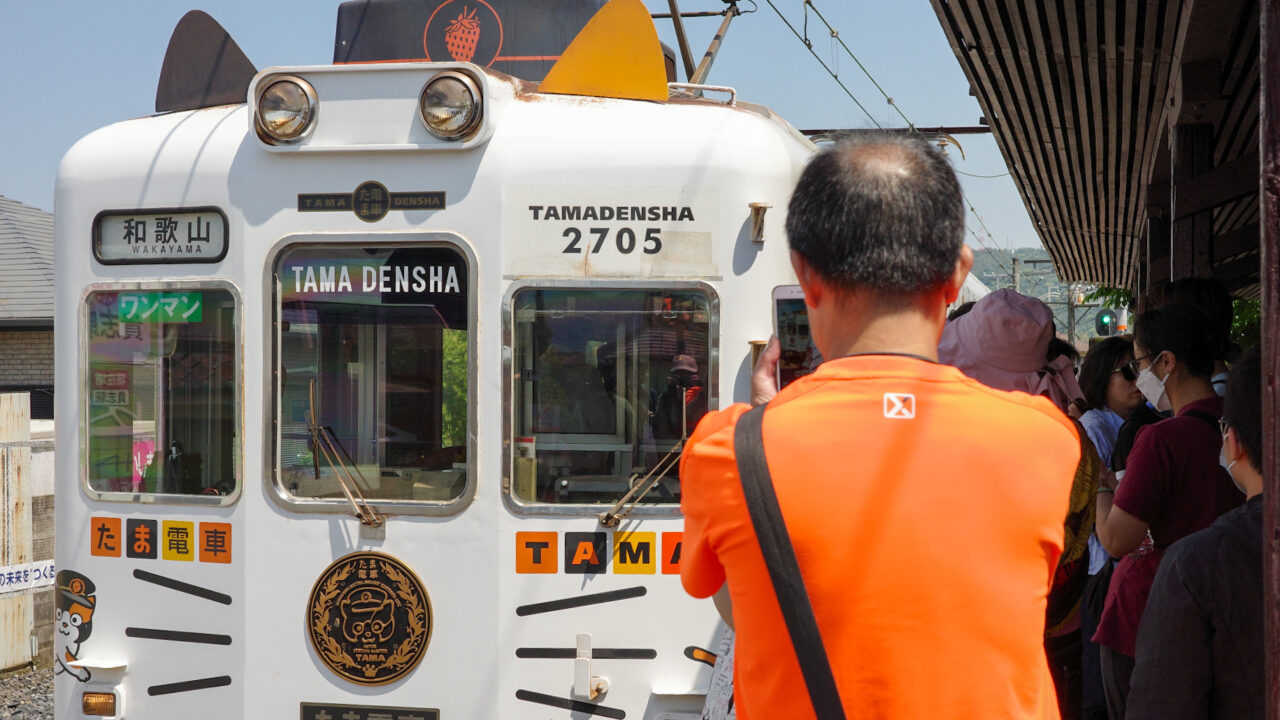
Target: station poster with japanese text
(26, 576)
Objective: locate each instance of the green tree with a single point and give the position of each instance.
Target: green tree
(453, 411)
(1246, 323)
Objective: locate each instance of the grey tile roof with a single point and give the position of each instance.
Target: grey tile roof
(26, 262)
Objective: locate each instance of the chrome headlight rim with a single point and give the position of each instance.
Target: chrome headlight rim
(313, 107)
(472, 124)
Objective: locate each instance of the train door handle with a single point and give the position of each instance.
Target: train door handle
(586, 685)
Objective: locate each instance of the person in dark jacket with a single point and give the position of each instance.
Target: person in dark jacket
(1200, 644)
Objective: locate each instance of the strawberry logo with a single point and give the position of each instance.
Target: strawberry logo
(463, 31)
(462, 36)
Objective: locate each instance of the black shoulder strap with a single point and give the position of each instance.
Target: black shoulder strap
(784, 570)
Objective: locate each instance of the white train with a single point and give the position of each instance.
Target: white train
(373, 381)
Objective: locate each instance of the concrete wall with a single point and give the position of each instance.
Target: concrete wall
(26, 529)
(42, 598)
(17, 617)
(42, 530)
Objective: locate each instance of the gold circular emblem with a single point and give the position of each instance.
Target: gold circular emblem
(369, 618)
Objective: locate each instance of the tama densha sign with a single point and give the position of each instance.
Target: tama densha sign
(179, 235)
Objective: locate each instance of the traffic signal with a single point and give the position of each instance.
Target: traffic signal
(1104, 323)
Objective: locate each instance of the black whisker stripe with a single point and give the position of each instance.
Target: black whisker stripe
(580, 601)
(180, 586)
(567, 704)
(596, 653)
(189, 685)
(177, 636)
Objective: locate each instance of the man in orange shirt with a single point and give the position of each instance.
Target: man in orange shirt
(925, 508)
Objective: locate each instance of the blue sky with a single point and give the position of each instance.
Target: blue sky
(68, 67)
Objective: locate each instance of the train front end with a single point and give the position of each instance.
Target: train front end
(375, 387)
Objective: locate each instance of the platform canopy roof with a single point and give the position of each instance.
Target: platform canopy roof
(1089, 101)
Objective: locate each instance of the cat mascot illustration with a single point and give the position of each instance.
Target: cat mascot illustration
(75, 603)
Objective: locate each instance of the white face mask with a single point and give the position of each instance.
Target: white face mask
(1152, 388)
(1222, 460)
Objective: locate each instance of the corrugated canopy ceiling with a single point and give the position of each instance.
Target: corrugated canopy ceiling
(1077, 94)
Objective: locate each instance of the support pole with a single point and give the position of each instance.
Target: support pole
(686, 55)
(704, 67)
(1071, 314)
(1269, 201)
(1192, 155)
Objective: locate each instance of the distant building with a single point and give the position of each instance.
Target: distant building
(26, 304)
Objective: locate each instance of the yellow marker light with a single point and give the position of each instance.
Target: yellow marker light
(99, 703)
(286, 109)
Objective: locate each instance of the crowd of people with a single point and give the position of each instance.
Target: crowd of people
(944, 519)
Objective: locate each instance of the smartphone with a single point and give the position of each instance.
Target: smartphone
(791, 324)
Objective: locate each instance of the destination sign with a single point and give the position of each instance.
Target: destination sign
(184, 235)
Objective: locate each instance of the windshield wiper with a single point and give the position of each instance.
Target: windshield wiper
(324, 440)
(641, 486)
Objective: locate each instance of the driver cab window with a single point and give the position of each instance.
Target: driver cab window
(163, 408)
(373, 375)
(608, 384)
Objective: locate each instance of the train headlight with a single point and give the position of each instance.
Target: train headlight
(286, 109)
(450, 105)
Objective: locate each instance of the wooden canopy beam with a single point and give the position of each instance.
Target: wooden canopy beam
(1237, 241)
(1229, 181)
(1191, 253)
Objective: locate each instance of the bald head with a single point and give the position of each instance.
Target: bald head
(881, 162)
(879, 212)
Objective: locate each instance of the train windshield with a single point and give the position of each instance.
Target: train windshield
(607, 384)
(163, 400)
(373, 372)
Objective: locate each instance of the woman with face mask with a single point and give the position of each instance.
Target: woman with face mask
(1173, 484)
(1111, 395)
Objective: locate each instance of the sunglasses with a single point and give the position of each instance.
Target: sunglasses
(1127, 372)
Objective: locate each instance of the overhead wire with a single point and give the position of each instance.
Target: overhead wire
(834, 76)
(978, 237)
(835, 34)
(982, 177)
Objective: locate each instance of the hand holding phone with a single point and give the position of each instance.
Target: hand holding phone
(798, 355)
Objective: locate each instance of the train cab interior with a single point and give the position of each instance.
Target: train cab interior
(607, 384)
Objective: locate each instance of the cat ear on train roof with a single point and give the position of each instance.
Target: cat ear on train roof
(203, 67)
(617, 55)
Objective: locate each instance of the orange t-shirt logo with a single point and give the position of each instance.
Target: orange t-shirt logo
(900, 406)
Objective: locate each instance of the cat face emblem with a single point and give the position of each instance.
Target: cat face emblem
(369, 618)
(367, 614)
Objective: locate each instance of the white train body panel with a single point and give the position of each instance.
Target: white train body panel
(532, 150)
